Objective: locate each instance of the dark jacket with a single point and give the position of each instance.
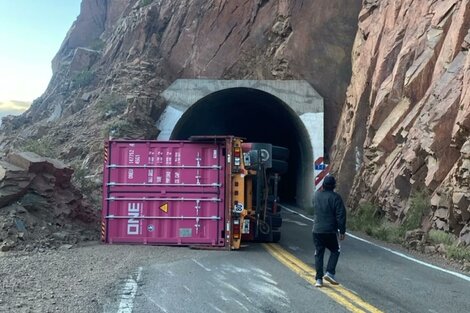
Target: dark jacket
(330, 213)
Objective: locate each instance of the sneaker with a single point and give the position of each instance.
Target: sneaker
(319, 283)
(330, 278)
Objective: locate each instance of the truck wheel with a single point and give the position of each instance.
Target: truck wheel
(264, 228)
(279, 166)
(280, 153)
(276, 220)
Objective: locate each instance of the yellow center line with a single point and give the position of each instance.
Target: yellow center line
(345, 292)
(338, 293)
(311, 279)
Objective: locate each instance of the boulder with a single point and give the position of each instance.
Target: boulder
(47, 167)
(466, 266)
(39, 206)
(442, 213)
(441, 249)
(464, 236)
(416, 234)
(83, 59)
(14, 183)
(7, 245)
(429, 249)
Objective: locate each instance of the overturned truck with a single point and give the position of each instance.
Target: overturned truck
(208, 191)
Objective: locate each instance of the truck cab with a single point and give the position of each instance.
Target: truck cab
(257, 169)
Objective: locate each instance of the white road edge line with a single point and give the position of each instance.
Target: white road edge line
(128, 293)
(462, 276)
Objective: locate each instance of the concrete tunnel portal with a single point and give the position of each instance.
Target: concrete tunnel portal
(257, 116)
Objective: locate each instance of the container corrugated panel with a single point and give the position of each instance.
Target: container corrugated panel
(164, 193)
(170, 166)
(166, 219)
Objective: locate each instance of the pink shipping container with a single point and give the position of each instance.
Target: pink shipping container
(170, 192)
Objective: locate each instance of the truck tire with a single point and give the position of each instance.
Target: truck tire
(276, 235)
(276, 220)
(280, 153)
(264, 228)
(279, 167)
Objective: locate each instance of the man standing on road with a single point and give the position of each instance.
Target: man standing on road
(329, 219)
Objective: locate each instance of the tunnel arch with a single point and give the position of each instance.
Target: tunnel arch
(195, 106)
(258, 116)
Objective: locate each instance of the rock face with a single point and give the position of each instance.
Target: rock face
(39, 207)
(405, 126)
(128, 51)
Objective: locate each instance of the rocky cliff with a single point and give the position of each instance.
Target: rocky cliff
(120, 55)
(405, 125)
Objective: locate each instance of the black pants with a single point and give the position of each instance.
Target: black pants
(330, 242)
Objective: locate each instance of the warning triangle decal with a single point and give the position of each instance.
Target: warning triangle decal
(164, 207)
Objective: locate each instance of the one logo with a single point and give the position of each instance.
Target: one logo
(150, 228)
(133, 224)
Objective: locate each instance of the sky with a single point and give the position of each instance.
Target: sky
(31, 32)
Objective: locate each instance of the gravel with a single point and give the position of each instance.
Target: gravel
(77, 279)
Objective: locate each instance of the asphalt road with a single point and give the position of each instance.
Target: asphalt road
(249, 281)
(383, 279)
(279, 278)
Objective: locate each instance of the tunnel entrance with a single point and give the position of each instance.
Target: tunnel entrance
(257, 116)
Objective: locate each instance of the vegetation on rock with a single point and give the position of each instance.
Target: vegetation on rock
(368, 218)
(111, 105)
(83, 78)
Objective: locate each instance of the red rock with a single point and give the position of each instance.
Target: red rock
(409, 52)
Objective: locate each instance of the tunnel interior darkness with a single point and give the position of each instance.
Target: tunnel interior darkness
(257, 116)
